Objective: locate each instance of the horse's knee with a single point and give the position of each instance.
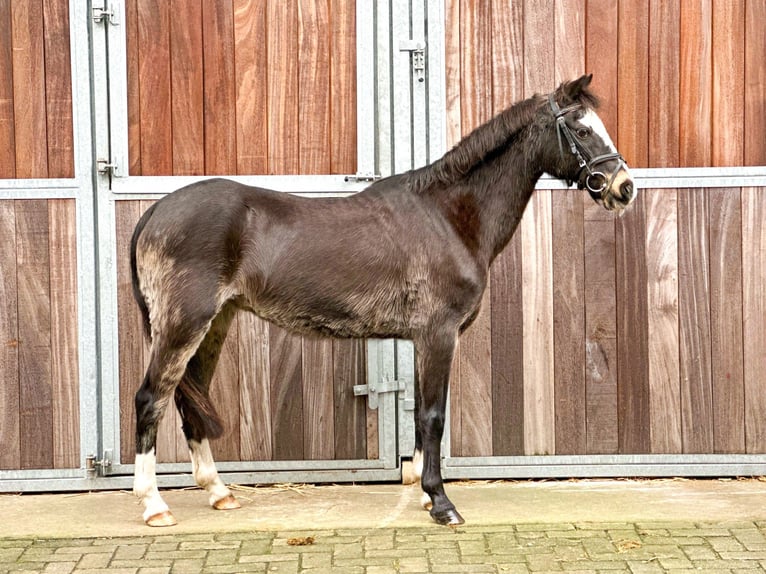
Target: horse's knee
(431, 424)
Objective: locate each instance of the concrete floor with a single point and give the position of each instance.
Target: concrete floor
(290, 507)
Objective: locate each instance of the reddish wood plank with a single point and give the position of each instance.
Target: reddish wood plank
(29, 90)
(475, 64)
(225, 394)
(220, 88)
(600, 331)
(286, 394)
(633, 82)
(131, 333)
(452, 70)
(10, 454)
(342, 130)
(726, 320)
(251, 85)
(186, 81)
(33, 267)
(568, 267)
(318, 399)
(694, 321)
(537, 287)
(507, 351)
(728, 112)
(155, 110)
(601, 57)
(664, 55)
(755, 79)
(696, 73)
(254, 388)
(665, 414)
(569, 40)
(632, 352)
(132, 42)
(539, 50)
(58, 88)
(507, 38)
(754, 315)
(65, 377)
(283, 134)
(349, 369)
(7, 135)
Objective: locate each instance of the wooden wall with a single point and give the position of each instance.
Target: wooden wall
(643, 334)
(39, 382)
(247, 87)
(36, 138)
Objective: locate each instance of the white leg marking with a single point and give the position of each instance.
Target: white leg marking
(417, 469)
(145, 485)
(205, 473)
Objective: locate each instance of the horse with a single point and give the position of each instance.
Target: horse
(407, 257)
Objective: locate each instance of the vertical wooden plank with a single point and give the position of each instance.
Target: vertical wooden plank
(754, 315)
(452, 71)
(286, 394)
(600, 330)
(662, 304)
(539, 55)
(186, 81)
(633, 82)
(131, 333)
(755, 79)
(7, 135)
(318, 399)
(694, 318)
(132, 42)
(220, 88)
(726, 320)
(507, 367)
(155, 112)
(474, 366)
(342, 131)
(568, 268)
(29, 90)
(728, 111)
(664, 56)
(696, 75)
(225, 394)
(36, 415)
(537, 287)
(283, 134)
(58, 88)
(64, 372)
(10, 454)
(601, 57)
(349, 368)
(251, 87)
(632, 352)
(254, 388)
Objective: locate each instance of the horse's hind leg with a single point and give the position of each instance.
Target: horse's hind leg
(167, 366)
(196, 382)
(434, 360)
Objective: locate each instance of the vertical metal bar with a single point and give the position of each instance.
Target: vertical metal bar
(365, 88)
(401, 24)
(418, 87)
(405, 372)
(118, 86)
(381, 367)
(383, 88)
(435, 79)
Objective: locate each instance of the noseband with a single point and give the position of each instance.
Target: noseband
(586, 163)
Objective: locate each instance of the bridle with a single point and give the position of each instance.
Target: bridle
(583, 156)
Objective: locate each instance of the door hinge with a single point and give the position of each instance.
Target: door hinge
(417, 50)
(374, 390)
(107, 12)
(98, 467)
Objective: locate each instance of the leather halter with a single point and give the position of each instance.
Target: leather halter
(582, 155)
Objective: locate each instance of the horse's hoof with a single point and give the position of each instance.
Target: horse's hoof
(227, 503)
(165, 518)
(449, 517)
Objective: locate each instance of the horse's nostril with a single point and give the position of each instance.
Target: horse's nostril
(626, 190)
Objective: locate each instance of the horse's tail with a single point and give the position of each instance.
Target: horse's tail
(192, 398)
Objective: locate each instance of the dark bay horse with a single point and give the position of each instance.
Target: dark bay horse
(408, 257)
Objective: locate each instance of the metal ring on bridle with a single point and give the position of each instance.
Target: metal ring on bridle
(593, 189)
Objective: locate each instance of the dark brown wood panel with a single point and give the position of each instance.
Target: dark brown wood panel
(349, 369)
(254, 388)
(225, 394)
(10, 454)
(7, 132)
(286, 394)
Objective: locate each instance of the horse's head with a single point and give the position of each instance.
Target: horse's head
(580, 149)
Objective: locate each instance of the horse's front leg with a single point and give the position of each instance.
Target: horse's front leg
(434, 359)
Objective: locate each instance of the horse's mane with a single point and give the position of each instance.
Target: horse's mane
(490, 138)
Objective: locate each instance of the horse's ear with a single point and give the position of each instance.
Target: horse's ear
(578, 91)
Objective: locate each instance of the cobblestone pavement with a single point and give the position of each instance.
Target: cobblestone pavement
(641, 547)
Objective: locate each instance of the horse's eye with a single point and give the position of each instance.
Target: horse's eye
(583, 133)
